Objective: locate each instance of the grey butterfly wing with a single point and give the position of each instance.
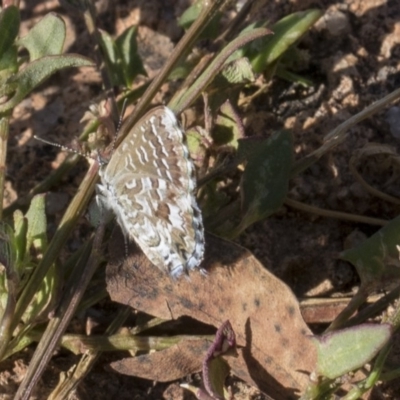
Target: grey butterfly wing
(150, 184)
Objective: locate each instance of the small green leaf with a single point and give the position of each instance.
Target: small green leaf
(215, 368)
(9, 27)
(265, 180)
(199, 393)
(252, 48)
(8, 64)
(228, 128)
(37, 224)
(131, 62)
(46, 38)
(9, 277)
(109, 46)
(238, 72)
(346, 350)
(292, 77)
(196, 139)
(212, 200)
(8, 251)
(182, 70)
(191, 14)
(21, 229)
(218, 372)
(22, 83)
(111, 57)
(45, 298)
(3, 293)
(47, 294)
(287, 31)
(377, 258)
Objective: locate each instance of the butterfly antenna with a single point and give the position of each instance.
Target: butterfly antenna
(62, 147)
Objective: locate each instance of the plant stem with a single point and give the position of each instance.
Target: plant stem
(334, 214)
(185, 44)
(4, 131)
(339, 134)
(73, 294)
(191, 94)
(68, 222)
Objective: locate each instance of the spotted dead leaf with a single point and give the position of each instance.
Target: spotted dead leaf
(275, 350)
(167, 365)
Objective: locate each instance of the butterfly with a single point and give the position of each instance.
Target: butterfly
(149, 184)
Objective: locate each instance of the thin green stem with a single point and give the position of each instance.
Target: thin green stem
(79, 344)
(4, 131)
(350, 309)
(334, 214)
(88, 359)
(90, 17)
(374, 309)
(68, 222)
(185, 44)
(73, 294)
(8, 314)
(191, 94)
(364, 386)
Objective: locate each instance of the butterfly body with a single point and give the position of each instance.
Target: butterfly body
(149, 185)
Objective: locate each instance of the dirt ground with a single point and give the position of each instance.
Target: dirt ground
(352, 56)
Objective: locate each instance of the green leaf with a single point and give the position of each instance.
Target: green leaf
(8, 251)
(292, 77)
(45, 298)
(24, 256)
(182, 70)
(9, 277)
(215, 368)
(213, 200)
(9, 27)
(47, 294)
(218, 372)
(8, 64)
(377, 258)
(287, 31)
(191, 14)
(346, 350)
(109, 46)
(234, 74)
(46, 38)
(129, 58)
(21, 229)
(122, 58)
(3, 293)
(250, 49)
(37, 224)
(228, 128)
(22, 83)
(238, 72)
(196, 137)
(111, 57)
(265, 180)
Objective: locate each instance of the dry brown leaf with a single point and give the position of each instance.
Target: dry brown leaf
(276, 355)
(167, 365)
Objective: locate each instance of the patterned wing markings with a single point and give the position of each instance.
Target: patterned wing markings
(149, 184)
